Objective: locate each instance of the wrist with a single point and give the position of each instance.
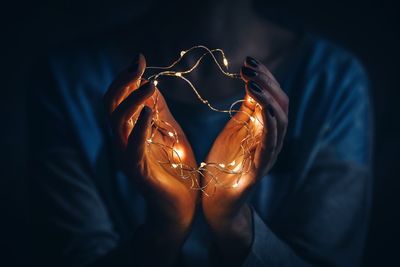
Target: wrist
(165, 232)
(159, 246)
(236, 225)
(233, 236)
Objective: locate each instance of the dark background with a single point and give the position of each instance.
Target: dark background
(367, 28)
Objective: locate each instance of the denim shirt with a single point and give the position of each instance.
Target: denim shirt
(311, 209)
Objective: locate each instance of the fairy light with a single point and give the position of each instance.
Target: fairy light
(225, 61)
(250, 100)
(178, 153)
(174, 154)
(174, 165)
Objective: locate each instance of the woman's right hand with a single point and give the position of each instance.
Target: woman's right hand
(130, 102)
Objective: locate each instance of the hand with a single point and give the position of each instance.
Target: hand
(263, 119)
(142, 143)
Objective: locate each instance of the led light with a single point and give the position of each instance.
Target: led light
(225, 62)
(237, 168)
(178, 153)
(175, 150)
(250, 100)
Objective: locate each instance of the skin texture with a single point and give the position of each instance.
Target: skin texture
(169, 198)
(225, 209)
(171, 202)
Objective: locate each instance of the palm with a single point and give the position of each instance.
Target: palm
(234, 167)
(166, 163)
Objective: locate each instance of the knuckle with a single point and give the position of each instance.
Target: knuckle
(268, 98)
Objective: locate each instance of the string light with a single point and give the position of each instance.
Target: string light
(174, 153)
(225, 61)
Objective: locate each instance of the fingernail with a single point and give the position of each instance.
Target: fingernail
(146, 110)
(255, 87)
(249, 72)
(271, 111)
(148, 86)
(252, 62)
(134, 64)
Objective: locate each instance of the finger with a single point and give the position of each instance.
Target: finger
(266, 154)
(257, 65)
(264, 81)
(137, 139)
(125, 82)
(270, 108)
(121, 119)
(245, 111)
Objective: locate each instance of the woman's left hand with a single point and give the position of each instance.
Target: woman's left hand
(263, 118)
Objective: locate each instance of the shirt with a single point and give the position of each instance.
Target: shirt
(311, 209)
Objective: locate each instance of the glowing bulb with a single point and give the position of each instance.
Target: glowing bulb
(237, 168)
(225, 62)
(178, 153)
(250, 100)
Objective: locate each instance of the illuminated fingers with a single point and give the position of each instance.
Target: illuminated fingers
(275, 120)
(125, 82)
(137, 138)
(122, 119)
(267, 81)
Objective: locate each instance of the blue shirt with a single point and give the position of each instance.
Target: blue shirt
(310, 210)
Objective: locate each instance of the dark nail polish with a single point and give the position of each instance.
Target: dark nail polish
(249, 72)
(271, 111)
(255, 87)
(134, 64)
(252, 62)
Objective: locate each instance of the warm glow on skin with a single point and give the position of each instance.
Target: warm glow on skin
(250, 122)
(250, 100)
(179, 153)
